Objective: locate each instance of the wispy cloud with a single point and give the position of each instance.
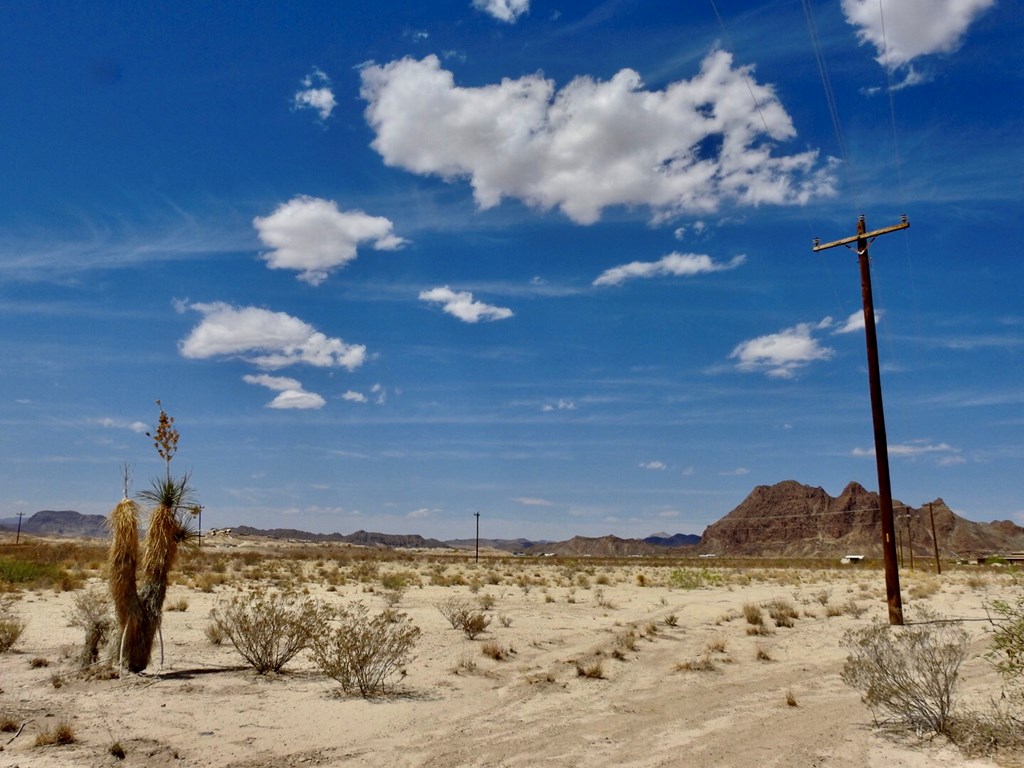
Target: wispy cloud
(508, 11)
(672, 265)
(268, 340)
(462, 305)
(657, 465)
(911, 449)
(291, 394)
(530, 501)
(133, 426)
(780, 355)
(593, 144)
(313, 237)
(316, 94)
(561, 404)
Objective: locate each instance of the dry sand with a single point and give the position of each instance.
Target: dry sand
(457, 707)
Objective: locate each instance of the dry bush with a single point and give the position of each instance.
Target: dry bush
(496, 651)
(455, 610)
(504, 621)
(783, 612)
(908, 672)
(762, 654)
(362, 652)
(11, 625)
(592, 670)
(61, 733)
(924, 589)
(181, 604)
(269, 629)
(1007, 616)
(700, 664)
(753, 614)
(474, 623)
(215, 633)
(91, 611)
(790, 699)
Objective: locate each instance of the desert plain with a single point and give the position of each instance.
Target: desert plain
(585, 662)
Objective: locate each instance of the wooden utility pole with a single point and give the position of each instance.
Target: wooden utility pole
(935, 540)
(892, 573)
(910, 540)
(477, 514)
(17, 538)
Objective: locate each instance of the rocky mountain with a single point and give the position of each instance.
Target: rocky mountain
(50, 522)
(791, 519)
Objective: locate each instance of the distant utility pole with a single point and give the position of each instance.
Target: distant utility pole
(892, 573)
(910, 539)
(477, 514)
(17, 538)
(935, 540)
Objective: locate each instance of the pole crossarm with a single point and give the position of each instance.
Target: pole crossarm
(904, 223)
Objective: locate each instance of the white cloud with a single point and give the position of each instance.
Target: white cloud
(593, 144)
(354, 397)
(313, 237)
(316, 94)
(738, 472)
(503, 10)
(533, 502)
(462, 305)
(780, 354)
(291, 394)
(658, 465)
(913, 449)
(912, 28)
(561, 405)
(674, 265)
(420, 514)
(269, 340)
(134, 426)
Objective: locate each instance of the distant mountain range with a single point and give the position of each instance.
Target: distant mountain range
(785, 519)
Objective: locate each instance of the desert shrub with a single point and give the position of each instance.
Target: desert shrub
(214, 633)
(908, 672)
(504, 620)
(61, 733)
(592, 670)
(700, 664)
(753, 614)
(486, 601)
(692, 578)
(671, 620)
(455, 609)
(1007, 617)
(783, 612)
(362, 652)
(474, 623)
(496, 651)
(269, 629)
(11, 625)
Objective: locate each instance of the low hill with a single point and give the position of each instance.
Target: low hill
(50, 522)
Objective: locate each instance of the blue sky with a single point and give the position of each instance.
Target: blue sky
(392, 264)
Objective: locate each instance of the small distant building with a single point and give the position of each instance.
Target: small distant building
(848, 559)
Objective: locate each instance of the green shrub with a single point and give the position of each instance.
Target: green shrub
(269, 629)
(908, 672)
(362, 652)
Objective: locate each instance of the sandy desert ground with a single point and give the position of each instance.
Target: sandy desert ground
(767, 700)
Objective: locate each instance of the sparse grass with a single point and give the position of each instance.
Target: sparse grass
(591, 670)
(8, 724)
(62, 734)
(699, 664)
(790, 699)
(753, 614)
(670, 620)
(180, 605)
(496, 651)
(783, 613)
(39, 662)
(762, 654)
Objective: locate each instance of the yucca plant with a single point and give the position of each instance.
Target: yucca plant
(139, 588)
